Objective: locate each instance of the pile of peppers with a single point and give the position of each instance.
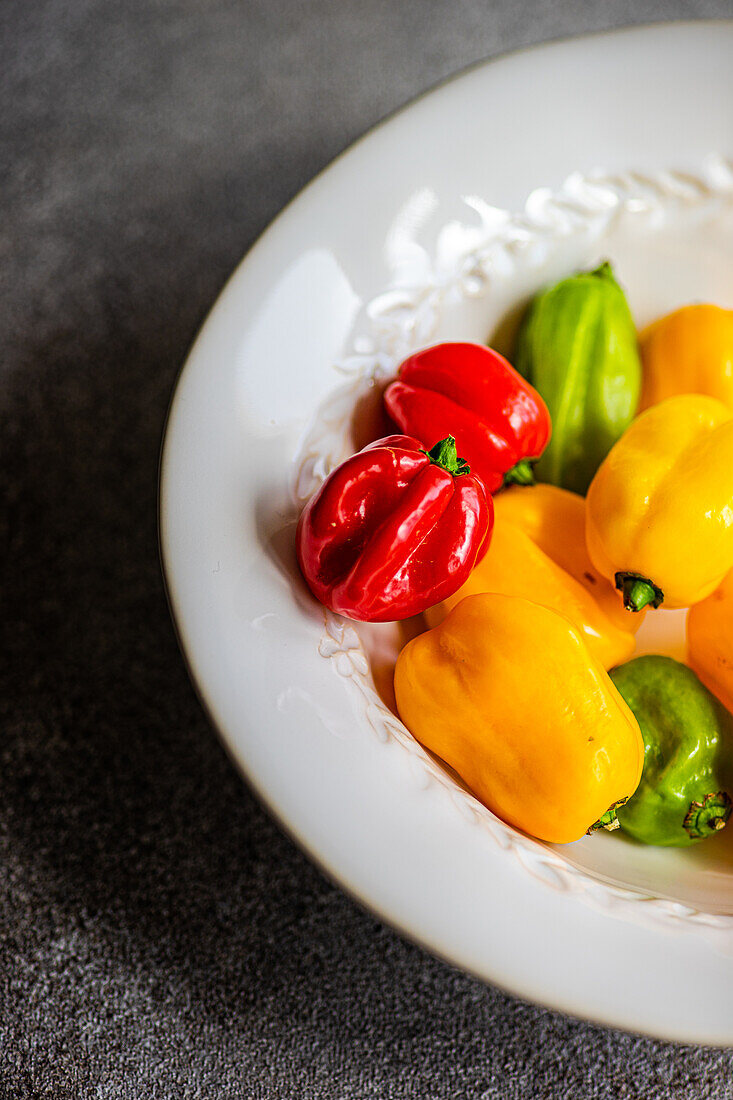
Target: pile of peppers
(531, 518)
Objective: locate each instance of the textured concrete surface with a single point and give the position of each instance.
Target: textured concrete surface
(159, 937)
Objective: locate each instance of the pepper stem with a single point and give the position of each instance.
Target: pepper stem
(608, 821)
(604, 271)
(638, 592)
(707, 815)
(445, 455)
(521, 474)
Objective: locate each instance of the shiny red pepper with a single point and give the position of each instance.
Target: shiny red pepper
(500, 423)
(394, 530)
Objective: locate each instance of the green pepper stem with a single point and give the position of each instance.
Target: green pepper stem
(604, 271)
(638, 592)
(445, 455)
(707, 815)
(521, 474)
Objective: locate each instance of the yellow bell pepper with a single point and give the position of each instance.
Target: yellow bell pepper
(538, 551)
(506, 692)
(659, 512)
(710, 641)
(688, 351)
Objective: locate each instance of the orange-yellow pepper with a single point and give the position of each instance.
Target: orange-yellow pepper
(710, 641)
(659, 512)
(688, 351)
(538, 551)
(506, 692)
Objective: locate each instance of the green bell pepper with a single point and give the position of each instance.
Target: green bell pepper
(577, 345)
(687, 780)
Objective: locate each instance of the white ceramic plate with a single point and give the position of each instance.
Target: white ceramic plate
(438, 225)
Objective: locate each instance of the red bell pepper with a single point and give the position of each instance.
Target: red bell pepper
(393, 530)
(501, 424)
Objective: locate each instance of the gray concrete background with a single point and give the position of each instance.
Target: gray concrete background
(159, 937)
